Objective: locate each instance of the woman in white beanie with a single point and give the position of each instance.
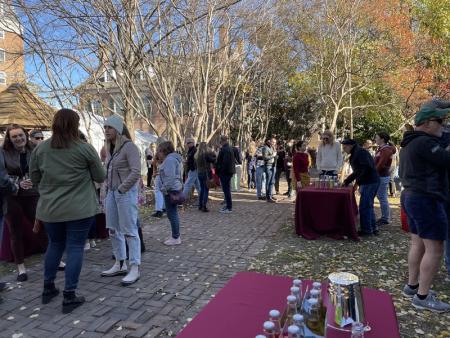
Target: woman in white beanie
(123, 168)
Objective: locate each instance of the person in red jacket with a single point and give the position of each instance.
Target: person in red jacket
(300, 164)
(383, 162)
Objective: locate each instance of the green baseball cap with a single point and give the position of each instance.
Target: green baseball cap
(431, 109)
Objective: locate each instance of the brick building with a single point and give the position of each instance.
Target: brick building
(12, 61)
(104, 97)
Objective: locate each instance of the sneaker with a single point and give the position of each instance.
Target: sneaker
(225, 211)
(132, 276)
(92, 243)
(173, 241)
(116, 270)
(381, 222)
(87, 246)
(410, 292)
(430, 303)
(157, 214)
(270, 200)
(261, 198)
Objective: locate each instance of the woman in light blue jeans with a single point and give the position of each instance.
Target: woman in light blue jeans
(121, 204)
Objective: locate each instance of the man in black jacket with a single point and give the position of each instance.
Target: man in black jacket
(226, 168)
(366, 177)
(6, 188)
(423, 172)
(191, 168)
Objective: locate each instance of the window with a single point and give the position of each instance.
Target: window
(2, 34)
(112, 105)
(147, 106)
(2, 55)
(2, 78)
(95, 107)
(108, 75)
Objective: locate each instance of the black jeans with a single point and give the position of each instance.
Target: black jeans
(225, 181)
(149, 177)
(251, 179)
(278, 173)
(289, 181)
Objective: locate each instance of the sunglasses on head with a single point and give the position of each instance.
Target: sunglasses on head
(38, 137)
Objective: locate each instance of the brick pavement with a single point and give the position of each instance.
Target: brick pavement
(176, 282)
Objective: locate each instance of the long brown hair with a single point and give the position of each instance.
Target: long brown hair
(65, 128)
(7, 143)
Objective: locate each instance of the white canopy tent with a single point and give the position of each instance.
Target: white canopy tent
(92, 126)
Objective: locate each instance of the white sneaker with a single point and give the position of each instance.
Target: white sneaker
(87, 246)
(92, 243)
(115, 270)
(173, 241)
(132, 276)
(225, 211)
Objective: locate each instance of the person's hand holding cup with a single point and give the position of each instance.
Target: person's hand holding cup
(26, 182)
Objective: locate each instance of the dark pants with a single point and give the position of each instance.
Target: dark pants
(225, 181)
(366, 209)
(270, 172)
(20, 207)
(278, 173)
(149, 177)
(172, 215)
(204, 190)
(251, 178)
(70, 237)
(289, 181)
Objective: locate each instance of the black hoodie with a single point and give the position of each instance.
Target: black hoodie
(424, 164)
(363, 167)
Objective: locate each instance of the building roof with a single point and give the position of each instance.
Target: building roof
(19, 105)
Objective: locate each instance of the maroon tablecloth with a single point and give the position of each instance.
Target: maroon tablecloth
(38, 243)
(241, 307)
(330, 212)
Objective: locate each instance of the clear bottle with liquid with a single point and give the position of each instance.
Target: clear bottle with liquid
(295, 291)
(274, 317)
(269, 328)
(300, 322)
(293, 331)
(313, 319)
(290, 311)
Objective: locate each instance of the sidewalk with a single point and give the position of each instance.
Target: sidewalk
(176, 282)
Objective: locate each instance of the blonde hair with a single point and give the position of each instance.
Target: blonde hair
(252, 148)
(330, 134)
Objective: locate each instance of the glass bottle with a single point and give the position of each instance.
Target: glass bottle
(295, 291)
(300, 322)
(274, 316)
(357, 330)
(318, 286)
(291, 311)
(269, 328)
(293, 331)
(313, 317)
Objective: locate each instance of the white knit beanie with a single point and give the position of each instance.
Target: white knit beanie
(116, 122)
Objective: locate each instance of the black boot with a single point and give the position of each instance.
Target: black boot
(50, 292)
(71, 301)
(141, 239)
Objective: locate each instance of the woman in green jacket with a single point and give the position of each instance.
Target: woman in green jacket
(64, 169)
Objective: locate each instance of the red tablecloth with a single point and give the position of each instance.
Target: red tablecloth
(330, 212)
(241, 307)
(38, 243)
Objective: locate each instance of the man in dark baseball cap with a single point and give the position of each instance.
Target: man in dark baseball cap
(36, 136)
(424, 163)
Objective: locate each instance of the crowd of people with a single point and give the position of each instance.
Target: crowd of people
(62, 183)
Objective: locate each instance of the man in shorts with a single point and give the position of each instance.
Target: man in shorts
(423, 172)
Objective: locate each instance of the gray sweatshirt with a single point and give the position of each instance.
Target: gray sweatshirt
(171, 173)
